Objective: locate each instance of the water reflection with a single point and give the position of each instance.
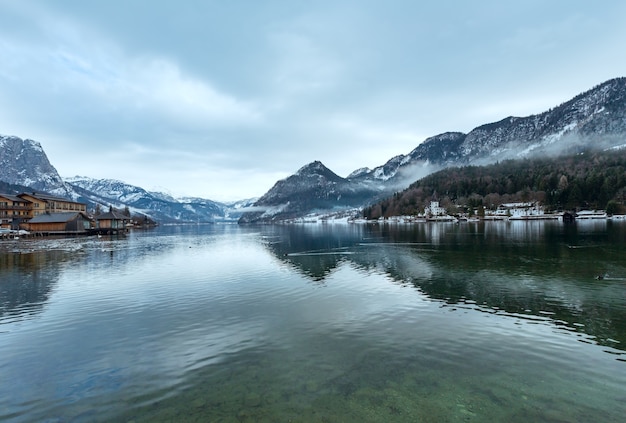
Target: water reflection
(313, 250)
(546, 270)
(319, 323)
(26, 282)
(30, 268)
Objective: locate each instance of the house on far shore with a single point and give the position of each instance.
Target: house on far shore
(111, 222)
(59, 223)
(434, 210)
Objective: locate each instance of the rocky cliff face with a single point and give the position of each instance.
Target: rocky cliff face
(24, 162)
(596, 118)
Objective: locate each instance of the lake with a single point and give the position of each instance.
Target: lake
(437, 322)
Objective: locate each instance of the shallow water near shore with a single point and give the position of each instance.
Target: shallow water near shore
(496, 321)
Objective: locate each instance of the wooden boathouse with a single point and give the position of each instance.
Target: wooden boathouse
(111, 222)
(59, 223)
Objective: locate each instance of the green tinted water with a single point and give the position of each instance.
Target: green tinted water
(425, 322)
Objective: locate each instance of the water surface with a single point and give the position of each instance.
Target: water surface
(427, 322)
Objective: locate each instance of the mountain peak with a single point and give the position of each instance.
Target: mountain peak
(316, 167)
(312, 187)
(593, 119)
(23, 162)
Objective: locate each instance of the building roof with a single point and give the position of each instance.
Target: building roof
(61, 217)
(112, 215)
(47, 197)
(14, 198)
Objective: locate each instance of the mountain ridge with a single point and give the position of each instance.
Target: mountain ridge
(312, 187)
(24, 166)
(595, 118)
(159, 206)
(594, 180)
(537, 130)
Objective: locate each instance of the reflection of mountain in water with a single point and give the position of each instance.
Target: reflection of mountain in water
(520, 268)
(26, 281)
(313, 250)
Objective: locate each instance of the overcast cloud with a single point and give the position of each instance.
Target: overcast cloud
(220, 99)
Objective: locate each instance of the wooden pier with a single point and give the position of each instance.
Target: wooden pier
(40, 234)
(44, 234)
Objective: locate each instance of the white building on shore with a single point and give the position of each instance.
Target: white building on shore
(520, 211)
(434, 210)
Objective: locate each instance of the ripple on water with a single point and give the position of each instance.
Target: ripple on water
(222, 327)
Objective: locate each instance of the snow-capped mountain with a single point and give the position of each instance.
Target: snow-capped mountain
(159, 206)
(109, 189)
(313, 187)
(24, 162)
(594, 119)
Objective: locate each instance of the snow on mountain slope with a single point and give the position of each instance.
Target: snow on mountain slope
(159, 206)
(110, 188)
(312, 187)
(23, 162)
(594, 119)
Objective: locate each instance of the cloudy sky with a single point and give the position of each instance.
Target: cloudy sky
(220, 99)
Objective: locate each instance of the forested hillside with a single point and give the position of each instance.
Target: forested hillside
(595, 180)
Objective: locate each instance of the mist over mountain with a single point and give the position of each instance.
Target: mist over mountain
(313, 187)
(592, 180)
(593, 120)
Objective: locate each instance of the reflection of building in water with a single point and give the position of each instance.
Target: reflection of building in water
(522, 230)
(24, 284)
(436, 232)
(592, 225)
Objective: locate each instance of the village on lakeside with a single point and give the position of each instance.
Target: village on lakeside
(507, 211)
(41, 214)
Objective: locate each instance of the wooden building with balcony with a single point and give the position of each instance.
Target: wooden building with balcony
(13, 211)
(46, 203)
